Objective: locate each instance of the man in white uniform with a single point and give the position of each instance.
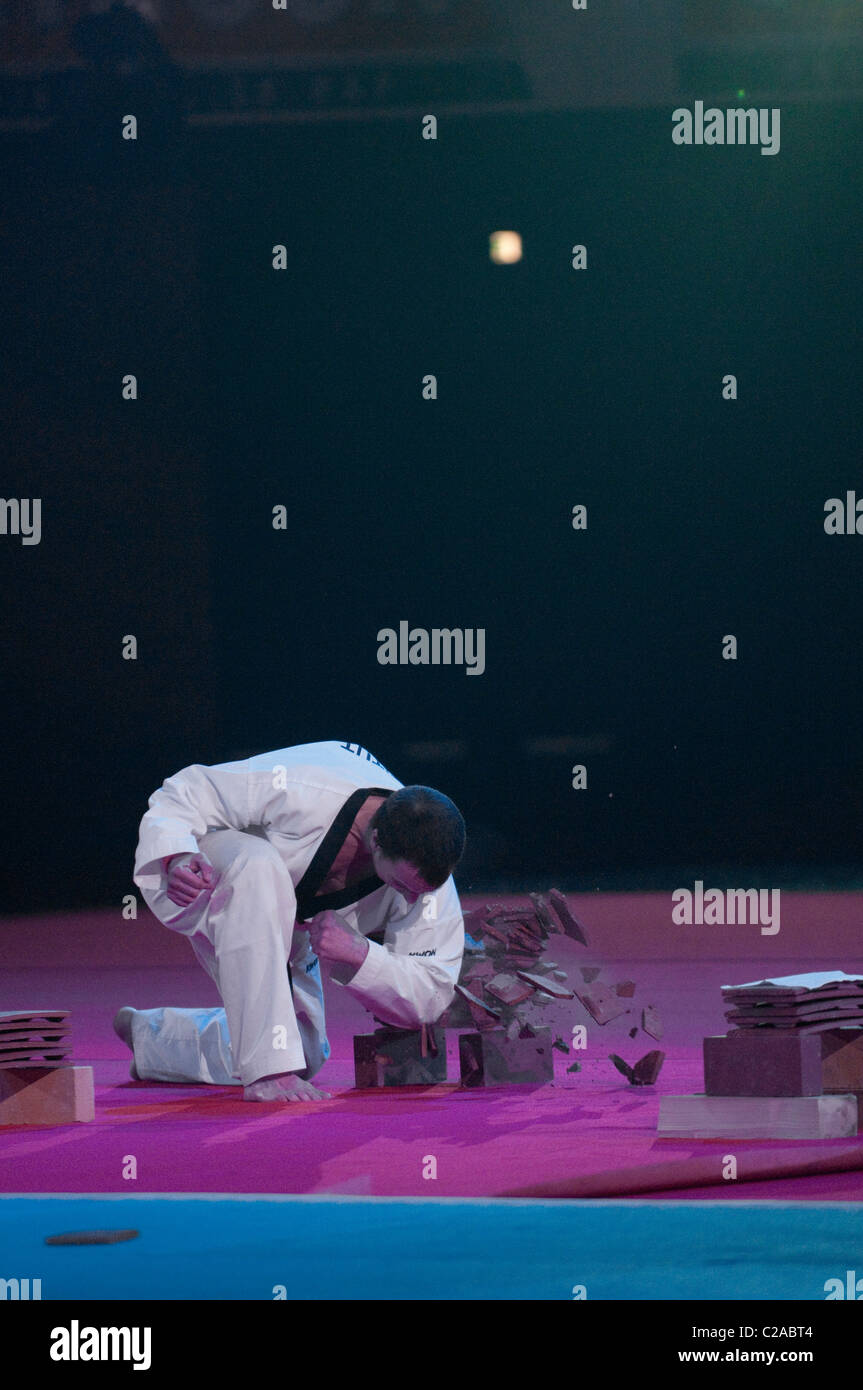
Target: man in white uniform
(272, 864)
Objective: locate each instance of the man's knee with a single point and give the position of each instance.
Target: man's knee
(254, 859)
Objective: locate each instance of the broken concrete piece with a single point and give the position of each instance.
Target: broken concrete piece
(568, 921)
(486, 929)
(645, 1071)
(544, 914)
(548, 986)
(508, 989)
(623, 1067)
(476, 1002)
(651, 1022)
(601, 1003)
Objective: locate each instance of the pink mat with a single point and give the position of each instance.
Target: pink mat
(206, 1139)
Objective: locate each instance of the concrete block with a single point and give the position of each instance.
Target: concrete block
(394, 1057)
(757, 1117)
(771, 1063)
(493, 1059)
(46, 1096)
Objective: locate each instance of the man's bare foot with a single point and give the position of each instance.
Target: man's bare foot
(285, 1088)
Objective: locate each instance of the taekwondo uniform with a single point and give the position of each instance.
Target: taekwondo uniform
(273, 827)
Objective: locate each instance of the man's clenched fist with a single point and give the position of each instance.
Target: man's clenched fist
(332, 938)
(188, 875)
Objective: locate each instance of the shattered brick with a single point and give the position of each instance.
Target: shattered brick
(486, 929)
(648, 1068)
(645, 1071)
(568, 920)
(474, 1002)
(625, 989)
(623, 1067)
(544, 914)
(546, 985)
(508, 989)
(601, 1003)
(651, 1022)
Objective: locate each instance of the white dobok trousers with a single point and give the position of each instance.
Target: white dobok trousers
(244, 940)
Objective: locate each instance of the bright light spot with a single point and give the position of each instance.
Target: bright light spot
(505, 247)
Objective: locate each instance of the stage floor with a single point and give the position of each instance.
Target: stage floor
(203, 1139)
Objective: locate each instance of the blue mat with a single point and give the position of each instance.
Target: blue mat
(360, 1248)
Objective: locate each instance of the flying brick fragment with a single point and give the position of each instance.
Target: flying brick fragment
(544, 914)
(476, 1003)
(601, 1003)
(625, 989)
(547, 986)
(568, 921)
(589, 973)
(651, 1022)
(509, 990)
(645, 1071)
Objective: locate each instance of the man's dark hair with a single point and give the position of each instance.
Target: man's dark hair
(424, 828)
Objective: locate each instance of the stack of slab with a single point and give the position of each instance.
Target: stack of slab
(791, 1067)
(799, 1003)
(39, 1085)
